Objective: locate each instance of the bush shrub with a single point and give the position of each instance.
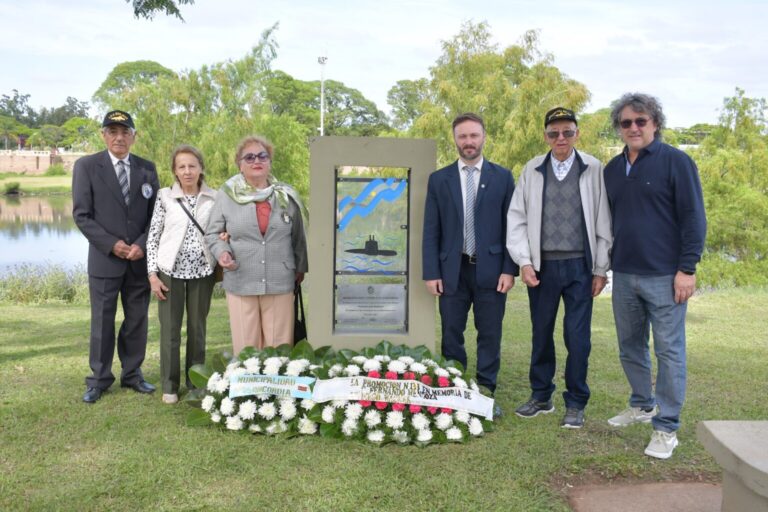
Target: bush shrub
(36, 284)
(56, 170)
(12, 188)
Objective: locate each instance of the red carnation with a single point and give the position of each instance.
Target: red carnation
(374, 374)
(426, 379)
(390, 375)
(364, 403)
(398, 407)
(381, 405)
(446, 410)
(443, 382)
(409, 376)
(414, 409)
(432, 410)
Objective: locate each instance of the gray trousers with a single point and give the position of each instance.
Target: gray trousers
(195, 294)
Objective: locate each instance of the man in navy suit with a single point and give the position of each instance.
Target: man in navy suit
(465, 262)
(113, 196)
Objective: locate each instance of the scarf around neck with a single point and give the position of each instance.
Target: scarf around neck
(241, 192)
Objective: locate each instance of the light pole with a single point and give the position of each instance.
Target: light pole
(322, 61)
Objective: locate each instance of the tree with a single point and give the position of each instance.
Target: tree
(17, 107)
(511, 88)
(78, 131)
(60, 115)
(407, 99)
(10, 130)
(126, 76)
(147, 8)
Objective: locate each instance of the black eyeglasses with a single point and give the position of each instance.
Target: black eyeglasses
(639, 122)
(555, 135)
(251, 158)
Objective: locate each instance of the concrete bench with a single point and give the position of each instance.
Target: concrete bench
(741, 449)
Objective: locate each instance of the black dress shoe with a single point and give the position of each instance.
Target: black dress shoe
(140, 386)
(92, 395)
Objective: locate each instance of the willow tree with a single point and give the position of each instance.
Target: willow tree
(512, 88)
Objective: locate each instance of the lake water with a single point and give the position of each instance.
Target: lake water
(40, 231)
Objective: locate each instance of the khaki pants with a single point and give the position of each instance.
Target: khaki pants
(260, 320)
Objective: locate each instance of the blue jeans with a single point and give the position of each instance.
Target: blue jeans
(642, 304)
(570, 280)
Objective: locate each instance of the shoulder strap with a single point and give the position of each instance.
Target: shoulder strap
(181, 203)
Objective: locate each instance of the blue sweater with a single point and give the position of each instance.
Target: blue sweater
(657, 212)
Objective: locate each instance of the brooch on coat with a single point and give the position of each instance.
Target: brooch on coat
(287, 218)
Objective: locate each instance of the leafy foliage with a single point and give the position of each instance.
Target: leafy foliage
(147, 8)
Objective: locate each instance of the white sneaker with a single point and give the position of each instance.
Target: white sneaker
(630, 416)
(170, 398)
(662, 444)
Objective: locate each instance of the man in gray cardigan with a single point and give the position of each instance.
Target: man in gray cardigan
(559, 233)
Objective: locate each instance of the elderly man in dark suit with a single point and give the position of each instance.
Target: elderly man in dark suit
(114, 194)
(465, 262)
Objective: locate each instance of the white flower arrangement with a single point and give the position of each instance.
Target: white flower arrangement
(375, 422)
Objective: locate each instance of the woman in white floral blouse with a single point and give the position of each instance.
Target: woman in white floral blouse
(180, 266)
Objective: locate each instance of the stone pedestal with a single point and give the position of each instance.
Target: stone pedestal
(741, 448)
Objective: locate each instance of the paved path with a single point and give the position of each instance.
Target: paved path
(659, 497)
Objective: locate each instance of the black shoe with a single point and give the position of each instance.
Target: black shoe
(574, 418)
(140, 386)
(92, 395)
(533, 408)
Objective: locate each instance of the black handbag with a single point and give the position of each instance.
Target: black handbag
(299, 320)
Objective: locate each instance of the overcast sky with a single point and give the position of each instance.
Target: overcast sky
(691, 54)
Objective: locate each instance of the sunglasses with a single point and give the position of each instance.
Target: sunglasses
(639, 122)
(251, 158)
(566, 134)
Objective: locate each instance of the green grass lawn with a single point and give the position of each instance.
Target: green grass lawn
(38, 184)
(131, 452)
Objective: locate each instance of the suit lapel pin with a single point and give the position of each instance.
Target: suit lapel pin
(146, 190)
(286, 218)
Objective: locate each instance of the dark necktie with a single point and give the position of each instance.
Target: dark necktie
(122, 177)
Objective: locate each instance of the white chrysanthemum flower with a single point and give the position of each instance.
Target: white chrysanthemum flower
(454, 371)
(335, 370)
(296, 367)
(339, 404)
(208, 402)
(475, 426)
(397, 366)
(287, 409)
(227, 406)
(420, 421)
(372, 418)
(263, 397)
(372, 365)
(353, 411)
(231, 367)
(307, 426)
(255, 428)
(213, 380)
(307, 404)
(473, 385)
(382, 358)
(222, 385)
(400, 436)
(418, 368)
(267, 410)
(328, 413)
(314, 366)
(276, 427)
(442, 372)
(443, 421)
(408, 360)
(215, 417)
(349, 427)
(252, 364)
(453, 434)
(461, 416)
(395, 419)
(459, 382)
(375, 436)
(359, 359)
(424, 435)
(272, 366)
(236, 372)
(429, 362)
(234, 423)
(247, 410)
(352, 370)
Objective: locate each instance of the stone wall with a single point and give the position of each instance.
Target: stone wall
(35, 162)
